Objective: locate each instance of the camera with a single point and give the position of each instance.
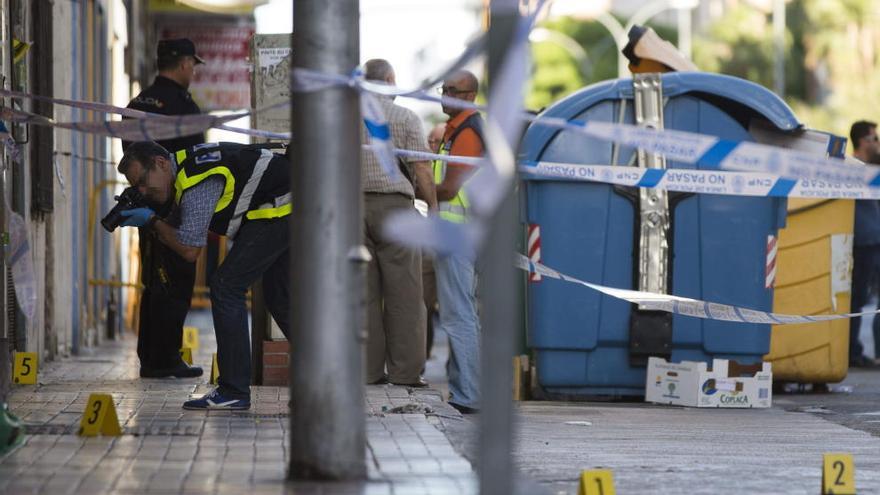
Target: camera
(128, 200)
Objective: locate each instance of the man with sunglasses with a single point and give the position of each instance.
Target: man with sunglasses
(866, 253)
(456, 276)
(168, 279)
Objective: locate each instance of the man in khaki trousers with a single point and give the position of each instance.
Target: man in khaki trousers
(395, 310)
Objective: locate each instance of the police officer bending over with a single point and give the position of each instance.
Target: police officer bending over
(242, 192)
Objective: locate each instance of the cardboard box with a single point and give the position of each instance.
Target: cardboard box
(727, 384)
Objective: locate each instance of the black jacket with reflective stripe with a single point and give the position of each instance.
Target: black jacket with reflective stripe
(254, 179)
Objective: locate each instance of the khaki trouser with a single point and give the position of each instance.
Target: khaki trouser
(429, 295)
(395, 309)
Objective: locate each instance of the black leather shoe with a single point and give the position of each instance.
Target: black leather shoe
(464, 409)
(184, 371)
(421, 383)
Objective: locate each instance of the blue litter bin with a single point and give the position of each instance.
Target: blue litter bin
(589, 344)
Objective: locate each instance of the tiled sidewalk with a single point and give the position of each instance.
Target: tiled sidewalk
(165, 449)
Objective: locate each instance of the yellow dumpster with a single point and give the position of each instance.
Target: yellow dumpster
(813, 273)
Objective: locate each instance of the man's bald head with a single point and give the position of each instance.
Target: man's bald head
(379, 69)
(463, 80)
(436, 136)
(462, 85)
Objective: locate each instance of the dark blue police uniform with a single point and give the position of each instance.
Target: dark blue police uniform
(167, 277)
(166, 97)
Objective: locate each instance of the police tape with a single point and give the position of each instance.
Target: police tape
(136, 114)
(487, 187)
(700, 181)
(74, 156)
(686, 147)
(141, 126)
(683, 305)
(152, 129)
(678, 180)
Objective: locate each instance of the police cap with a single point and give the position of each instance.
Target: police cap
(177, 48)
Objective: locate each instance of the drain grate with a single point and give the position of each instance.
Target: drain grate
(50, 429)
(260, 415)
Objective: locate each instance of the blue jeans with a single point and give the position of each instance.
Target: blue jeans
(261, 248)
(866, 264)
(456, 293)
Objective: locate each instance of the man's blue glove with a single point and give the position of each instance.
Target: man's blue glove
(137, 217)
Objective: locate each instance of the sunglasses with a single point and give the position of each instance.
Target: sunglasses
(449, 90)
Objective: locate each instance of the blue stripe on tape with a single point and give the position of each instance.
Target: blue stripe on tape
(770, 315)
(717, 153)
(652, 177)
(875, 181)
(782, 188)
(379, 131)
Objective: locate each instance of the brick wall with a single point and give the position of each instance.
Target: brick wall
(275, 362)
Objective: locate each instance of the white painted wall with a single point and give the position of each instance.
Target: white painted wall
(59, 256)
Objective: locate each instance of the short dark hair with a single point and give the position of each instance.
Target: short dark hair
(143, 152)
(169, 62)
(859, 130)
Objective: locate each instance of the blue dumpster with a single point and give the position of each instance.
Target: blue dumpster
(588, 344)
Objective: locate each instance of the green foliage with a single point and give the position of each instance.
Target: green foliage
(556, 73)
(741, 45)
(832, 58)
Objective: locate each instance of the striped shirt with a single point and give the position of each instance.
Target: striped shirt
(406, 133)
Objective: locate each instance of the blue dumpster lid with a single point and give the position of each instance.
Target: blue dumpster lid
(740, 98)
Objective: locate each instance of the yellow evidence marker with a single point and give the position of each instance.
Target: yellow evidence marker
(191, 338)
(99, 417)
(838, 474)
(596, 482)
(215, 371)
(24, 371)
(187, 355)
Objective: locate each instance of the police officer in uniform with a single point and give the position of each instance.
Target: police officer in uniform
(168, 278)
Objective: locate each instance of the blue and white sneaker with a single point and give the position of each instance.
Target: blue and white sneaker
(214, 400)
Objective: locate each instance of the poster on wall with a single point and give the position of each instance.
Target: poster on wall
(271, 84)
(223, 82)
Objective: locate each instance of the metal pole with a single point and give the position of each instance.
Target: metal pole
(499, 314)
(5, 344)
(779, 47)
(685, 33)
(328, 439)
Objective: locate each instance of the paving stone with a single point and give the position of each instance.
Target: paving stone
(166, 449)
